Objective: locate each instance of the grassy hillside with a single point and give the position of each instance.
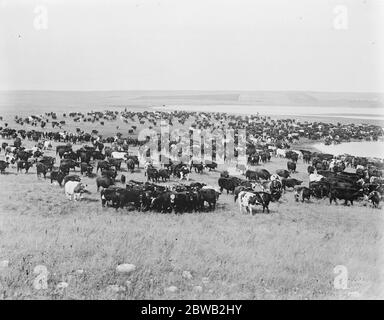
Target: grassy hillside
(288, 254)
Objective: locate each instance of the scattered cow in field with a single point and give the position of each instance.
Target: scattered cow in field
(74, 190)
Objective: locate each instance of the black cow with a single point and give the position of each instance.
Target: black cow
(104, 182)
(291, 166)
(207, 195)
(290, 183)
(283, 173)
(181, 201)
(67, 164)
(228, 184)
(103, 164)
(263, 198)
(163, 174)
(58, 176)
(162, 202)
(319, 189)
(86, 168)
(22, 164)
(130, 196)
(344, 194)
(3, 166)
(116, 163)
(109, 173)
(257, 174)
(110, 195)
(47, 161)
(41, 169)
(152, 174)
(374, 197)
(211, 165)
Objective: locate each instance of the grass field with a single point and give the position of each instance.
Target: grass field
(288, 254)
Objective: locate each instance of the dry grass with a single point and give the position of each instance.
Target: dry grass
(288, 254)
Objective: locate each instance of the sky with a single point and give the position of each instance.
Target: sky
(305, 45)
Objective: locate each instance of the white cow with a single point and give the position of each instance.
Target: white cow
(47, 145)
(119, 155)
(74, 189)
(280, 153)
(315, 177)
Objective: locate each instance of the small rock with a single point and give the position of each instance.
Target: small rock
(62, 285)
(187, 275)
(171, 289)
(128, 283)
(4, 263)
(125, 268)
(80, 271)
(197, 288)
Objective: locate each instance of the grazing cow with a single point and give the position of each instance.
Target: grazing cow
(47, 161)
(57, 176)
(163, 174)
(303, 192)
(211, 165)
(130, 196)
(344, 194)
(22, 164)
(290, 183)
(74, 189)
(110, 196)
(283, 173)
(41, 169)
(152, 174)
(257, 174)
(208, 195)
(291, 166)
(103, 164)
(374, 197)
(199, 167)
(67, 164)
(109, 173)
(181, 201)
(86, 168)
(250, 200)
(228, 184)
(122, 179)
(116, 163)
(104, 182)
(3, 166)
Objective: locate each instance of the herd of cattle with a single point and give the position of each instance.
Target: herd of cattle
(265, 138)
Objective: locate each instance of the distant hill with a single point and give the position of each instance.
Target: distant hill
(289, 98)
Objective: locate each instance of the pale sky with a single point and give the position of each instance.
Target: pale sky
(192, 45)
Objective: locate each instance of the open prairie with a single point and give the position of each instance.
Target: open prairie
(290, 253)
